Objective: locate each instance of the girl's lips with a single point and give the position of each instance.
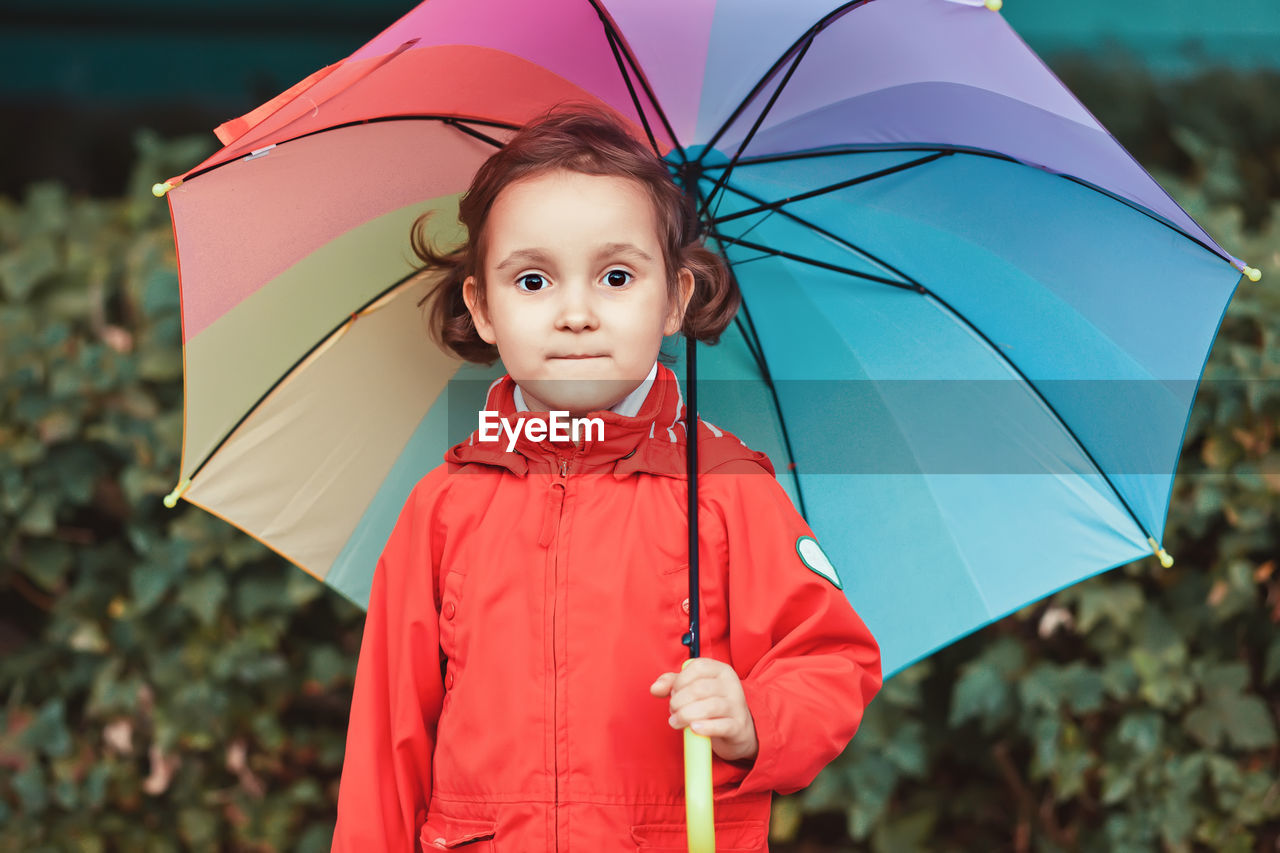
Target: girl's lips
(577, 356)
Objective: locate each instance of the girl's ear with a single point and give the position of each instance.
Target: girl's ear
(479, 318)
(684, 292)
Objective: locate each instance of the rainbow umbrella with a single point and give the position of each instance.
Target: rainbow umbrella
(972, 326)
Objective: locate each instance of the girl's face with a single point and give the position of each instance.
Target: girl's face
(577, 298)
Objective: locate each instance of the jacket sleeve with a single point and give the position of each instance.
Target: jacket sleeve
(811, 666)
(386, 772)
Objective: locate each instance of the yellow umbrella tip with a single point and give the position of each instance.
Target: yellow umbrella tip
(1162, 554)
(171, 499)
(994, 5)
(1252, 273)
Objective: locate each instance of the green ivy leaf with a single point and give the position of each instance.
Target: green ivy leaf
(1118, 782)
(980, 693)
(1248, 721)
(1084, 688)
(197, 826)
(327, 666)
(1042, 688)
(48, 730)
(873, 781)
(204, 595)
(39, 518)
(258, 594)
(1116, 601)
(1228, 714)
(28, 783)
(47, 561)
(24, 269)
(912, 831)
(149, 584)
(906, 749)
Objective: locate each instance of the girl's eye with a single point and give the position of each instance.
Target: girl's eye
(610, 278)
(533, 282)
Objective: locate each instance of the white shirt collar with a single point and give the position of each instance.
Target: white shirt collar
(627, 406)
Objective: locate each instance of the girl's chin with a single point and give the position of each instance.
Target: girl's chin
(576, 396)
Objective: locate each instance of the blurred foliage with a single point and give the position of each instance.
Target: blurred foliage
(168, 683)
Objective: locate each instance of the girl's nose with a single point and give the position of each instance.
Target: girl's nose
(576, 309)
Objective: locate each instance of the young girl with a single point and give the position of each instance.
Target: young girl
(519, 685)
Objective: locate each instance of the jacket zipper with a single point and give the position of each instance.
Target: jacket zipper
(551, 515)
(557, 501)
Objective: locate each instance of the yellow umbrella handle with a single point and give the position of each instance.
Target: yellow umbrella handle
(699, 816)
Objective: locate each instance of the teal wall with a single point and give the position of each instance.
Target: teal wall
(1169, 36)
(235, 53)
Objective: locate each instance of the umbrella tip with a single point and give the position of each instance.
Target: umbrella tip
(171, 499)
(994, 5)
(160, 190)
(1252, 273)
(1165, 559)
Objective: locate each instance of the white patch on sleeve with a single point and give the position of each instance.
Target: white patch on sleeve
(812, 555)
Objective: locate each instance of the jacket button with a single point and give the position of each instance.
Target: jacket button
(684, 605)
(449, 610)
(448, 680)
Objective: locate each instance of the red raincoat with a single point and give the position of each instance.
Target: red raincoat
(526, 600)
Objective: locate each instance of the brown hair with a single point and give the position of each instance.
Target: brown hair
(586, 139)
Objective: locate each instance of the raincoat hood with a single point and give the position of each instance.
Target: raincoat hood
(653, 441)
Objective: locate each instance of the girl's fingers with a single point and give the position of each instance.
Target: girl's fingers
(702, 688)
(702, 709)
(699, 669)
(715, 727)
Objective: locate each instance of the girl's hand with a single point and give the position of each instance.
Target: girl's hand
(707, 696)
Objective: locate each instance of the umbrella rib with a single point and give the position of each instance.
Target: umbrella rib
(919, 288)
(428, 117)
(723, 180)
(808, 34)
(757, 352)
(994, 155)
(631, 90)
(775, 205)
(792, 256)
(831, 236)
(763, 159)
(453, 122)
(284, 376)
(617, 42)
(754, 225)
(749, 339)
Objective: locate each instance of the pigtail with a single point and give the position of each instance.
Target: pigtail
(715, 297)
(449, 320)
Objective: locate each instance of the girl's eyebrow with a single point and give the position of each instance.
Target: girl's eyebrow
(532, 255)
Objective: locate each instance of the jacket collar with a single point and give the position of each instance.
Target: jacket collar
(652, 441)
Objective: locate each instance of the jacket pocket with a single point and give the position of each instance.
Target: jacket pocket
(744, 836)
(449, 833)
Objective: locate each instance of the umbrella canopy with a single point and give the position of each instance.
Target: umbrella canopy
(972, 325)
